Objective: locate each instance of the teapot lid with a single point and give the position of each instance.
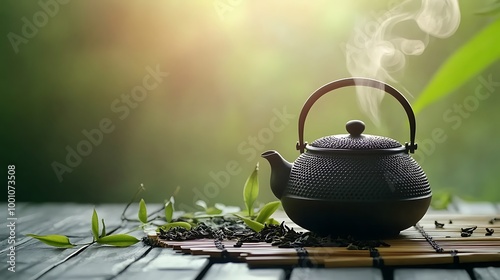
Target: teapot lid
(355, 140)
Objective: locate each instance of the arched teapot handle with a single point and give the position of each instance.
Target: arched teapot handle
(411, 147)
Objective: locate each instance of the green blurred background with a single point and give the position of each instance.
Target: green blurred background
(231, 65)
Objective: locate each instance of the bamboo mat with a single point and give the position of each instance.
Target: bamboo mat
(423, 244)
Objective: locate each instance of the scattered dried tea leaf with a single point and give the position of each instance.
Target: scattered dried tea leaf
(278, 235)
(492, 221)
(467, 232)
(438, 225)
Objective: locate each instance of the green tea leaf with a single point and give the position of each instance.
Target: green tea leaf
(188, 215)
(118, 240)
(467, 62)
(256, 226)
(251, 190)
(143, 212)
(272, 221)
(55, 240)
(169, 210)
(176, 224)
(267, 211)
(213, 211)
(227, 209)
(103, 232)
(95, 225)
(202, 204)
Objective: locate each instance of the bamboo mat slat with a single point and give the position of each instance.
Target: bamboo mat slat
(423, 244)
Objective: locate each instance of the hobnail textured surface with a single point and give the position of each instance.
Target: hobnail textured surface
(359, 143)
(357, 177)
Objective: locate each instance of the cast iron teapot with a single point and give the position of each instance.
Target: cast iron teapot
(352, 184)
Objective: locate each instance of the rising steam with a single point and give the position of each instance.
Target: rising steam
(379, 50)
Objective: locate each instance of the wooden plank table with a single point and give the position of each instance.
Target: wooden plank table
(35, 260)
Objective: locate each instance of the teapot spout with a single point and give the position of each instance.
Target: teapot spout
(280, 172)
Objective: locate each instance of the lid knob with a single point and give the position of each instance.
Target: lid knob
(355, 127)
